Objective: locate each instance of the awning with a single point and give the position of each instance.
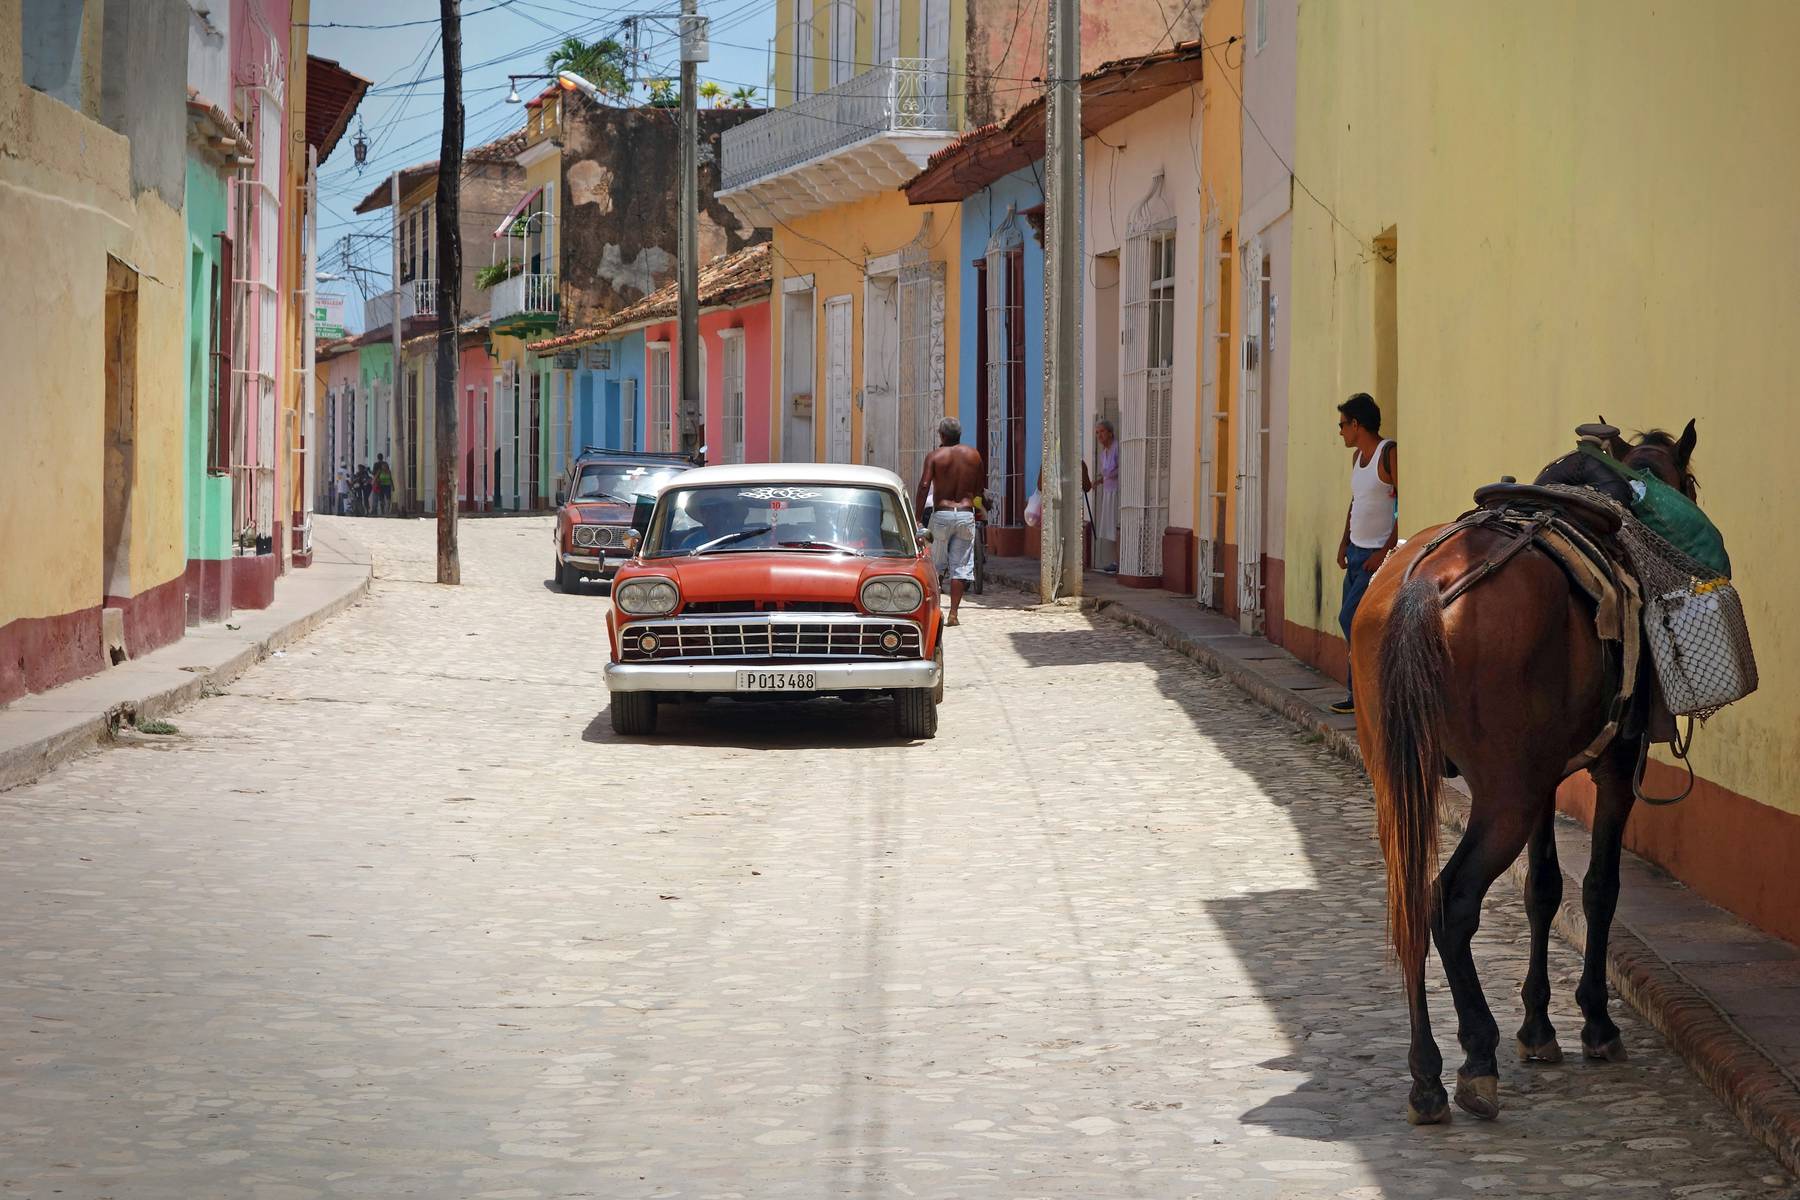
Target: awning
(506, 222)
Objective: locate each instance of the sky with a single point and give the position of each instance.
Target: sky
(401, 115)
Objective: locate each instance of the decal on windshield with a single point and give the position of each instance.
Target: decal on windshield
(778, 493)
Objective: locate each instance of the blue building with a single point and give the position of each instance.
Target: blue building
(1000, 329)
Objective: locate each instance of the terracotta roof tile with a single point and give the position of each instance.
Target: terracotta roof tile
(726, 281)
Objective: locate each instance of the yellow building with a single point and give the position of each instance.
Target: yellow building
(863, 284)
(1516, 231)
(93, 334)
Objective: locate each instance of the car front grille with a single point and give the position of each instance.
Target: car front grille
(775, 636)
(599, 535)
(716, 607)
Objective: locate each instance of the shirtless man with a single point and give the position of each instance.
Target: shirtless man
(954, 476)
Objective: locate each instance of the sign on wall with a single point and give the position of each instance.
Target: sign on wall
(328, 317)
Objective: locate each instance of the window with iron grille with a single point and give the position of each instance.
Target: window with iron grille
(731, 371)
(658, 434)
(628, 414)
(218, 449)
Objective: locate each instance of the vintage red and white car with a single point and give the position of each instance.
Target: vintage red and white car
(778, 581)
(594, 505)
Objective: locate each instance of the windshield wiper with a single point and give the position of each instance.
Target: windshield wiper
(605, 496)
(812, 545)
(729, 538)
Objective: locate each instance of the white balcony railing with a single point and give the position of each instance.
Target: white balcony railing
(904, 95)
(522, 294)
(418, 298)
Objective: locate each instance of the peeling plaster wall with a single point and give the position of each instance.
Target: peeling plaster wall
(1006, 46)
(620, 174)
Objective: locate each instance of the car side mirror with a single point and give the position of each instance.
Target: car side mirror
(633, 539)
(562, 497)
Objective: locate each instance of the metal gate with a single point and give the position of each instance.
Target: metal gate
(837, 379)
(1253, 433)
(1146, 409)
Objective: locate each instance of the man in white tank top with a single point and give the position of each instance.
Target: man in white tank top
(1371, 526)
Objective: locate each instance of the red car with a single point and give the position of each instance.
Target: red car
(595, 501)
(771, 581)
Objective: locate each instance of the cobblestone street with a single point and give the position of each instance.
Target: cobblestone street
(398, 915)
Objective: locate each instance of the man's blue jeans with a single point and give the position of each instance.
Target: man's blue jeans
(1356, 582)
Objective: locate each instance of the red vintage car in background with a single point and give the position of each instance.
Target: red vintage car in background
(594, 503)
(778, 581)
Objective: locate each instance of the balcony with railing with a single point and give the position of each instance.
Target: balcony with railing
(524, 302)
(417, 298)
(868, 134)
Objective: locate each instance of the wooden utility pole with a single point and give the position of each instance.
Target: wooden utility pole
(1060, 561)
(449, 293)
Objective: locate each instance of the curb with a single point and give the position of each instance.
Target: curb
(25, 763)
(1763, 1096)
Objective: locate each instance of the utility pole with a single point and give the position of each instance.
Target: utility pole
(1060, 561)
(693, 53)
(449, 293)
(395, 426)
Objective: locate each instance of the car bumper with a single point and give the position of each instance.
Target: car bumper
(722, 676)
(594, 564)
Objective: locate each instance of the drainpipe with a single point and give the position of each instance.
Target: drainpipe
(394, 418)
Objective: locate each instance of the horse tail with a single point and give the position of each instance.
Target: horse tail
(1415, 657)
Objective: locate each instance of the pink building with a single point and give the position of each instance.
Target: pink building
(734, 355)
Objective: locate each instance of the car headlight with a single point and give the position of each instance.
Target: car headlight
(892, 594)
(650, 597)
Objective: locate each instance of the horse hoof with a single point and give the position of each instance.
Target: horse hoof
(1612, 1050)
(1548, 1052)
(1435, 1112)
(1478, 1095)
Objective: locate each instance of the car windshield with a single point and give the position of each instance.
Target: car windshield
(623, 482)
(802, 518)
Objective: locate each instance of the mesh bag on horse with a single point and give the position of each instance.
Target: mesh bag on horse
(1694, 624)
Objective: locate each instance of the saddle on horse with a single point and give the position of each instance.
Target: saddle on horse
(1575, 529)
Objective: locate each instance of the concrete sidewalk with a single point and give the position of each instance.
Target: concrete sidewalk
(1725, 994)
(39, 731)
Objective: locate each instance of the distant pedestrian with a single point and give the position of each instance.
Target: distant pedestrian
(361, 483)
(384, 485)
(953, 478)
(1371, 526)
(1106, 498)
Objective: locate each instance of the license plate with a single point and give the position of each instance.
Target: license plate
(777, 681)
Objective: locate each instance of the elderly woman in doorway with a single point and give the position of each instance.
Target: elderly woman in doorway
(1106, 498)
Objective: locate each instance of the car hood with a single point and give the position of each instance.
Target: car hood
(779, 576)
(601, 512)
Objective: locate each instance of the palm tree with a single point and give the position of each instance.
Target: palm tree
(711, 92)
(743, 97)
(601, 63)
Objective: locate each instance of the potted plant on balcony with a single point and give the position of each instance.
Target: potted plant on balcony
(488, 276)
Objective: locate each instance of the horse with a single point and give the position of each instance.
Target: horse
(1505, 686)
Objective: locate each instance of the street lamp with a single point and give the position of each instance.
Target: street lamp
(569, 81)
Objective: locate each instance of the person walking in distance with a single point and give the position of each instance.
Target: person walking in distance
(1371, 526)
(384, 486)
(954, 477)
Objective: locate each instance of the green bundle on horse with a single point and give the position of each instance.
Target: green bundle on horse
(1508, 686)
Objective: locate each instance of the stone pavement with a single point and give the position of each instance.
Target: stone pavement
(1724, 992)
(38, 731)
(399, 916)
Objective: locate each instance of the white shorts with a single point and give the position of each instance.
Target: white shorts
(953, 543)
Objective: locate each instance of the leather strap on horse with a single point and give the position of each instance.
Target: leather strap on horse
(1543, 526)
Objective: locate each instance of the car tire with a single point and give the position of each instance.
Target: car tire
(633, 713)
(915, 714)
(567, 578)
